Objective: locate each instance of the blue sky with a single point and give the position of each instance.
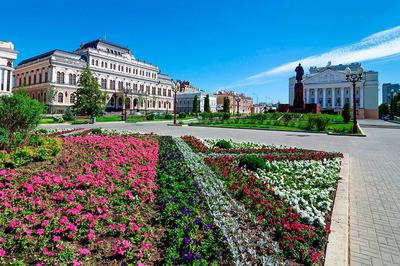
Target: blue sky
(213, 44)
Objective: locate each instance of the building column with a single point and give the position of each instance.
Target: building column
(323, 97)
(333, 101)
(316, 96)
(362, 97)
(5, 80)
(1, 78)
(341, 97)
(10, 80)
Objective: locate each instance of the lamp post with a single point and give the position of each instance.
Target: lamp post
(353, 78)
(126, 92)
(175, 88)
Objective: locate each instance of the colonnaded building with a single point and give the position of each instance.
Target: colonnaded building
(7, 57)
(327, 86)
(114, 67)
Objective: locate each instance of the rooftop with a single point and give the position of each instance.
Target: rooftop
(44, 55)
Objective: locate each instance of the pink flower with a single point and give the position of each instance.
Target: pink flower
(40, 231)
(76, 263)
(56, 238)
(84, 251)
(61, 247)
(64, 220)
(28, 231)
(45, 223)
(140, 264)
(146, 235)
(2, 252)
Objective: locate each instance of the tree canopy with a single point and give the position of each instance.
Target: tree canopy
(195, 108)
(227, 104)
(90, 99)
(207, 107)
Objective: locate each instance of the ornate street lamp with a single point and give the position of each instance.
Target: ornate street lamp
(176, 86)
(354, 77)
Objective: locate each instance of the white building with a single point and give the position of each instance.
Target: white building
(327, 86)
(7, 57)
(115, 69)
(184, 101)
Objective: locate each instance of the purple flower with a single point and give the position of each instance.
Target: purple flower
(186, 240)
(197, 221)
(208, 226)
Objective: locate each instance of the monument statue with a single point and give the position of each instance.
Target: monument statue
(299, 73)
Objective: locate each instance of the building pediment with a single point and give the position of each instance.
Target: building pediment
(327, 76)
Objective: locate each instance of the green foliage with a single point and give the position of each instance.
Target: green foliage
(226, 116)
(150, 117)
(227, 104)
(19, 114)
(182, 115)
(383, 109)
(223, 144)
(252, 162)
(180, 122)
(346, 113)
(318, 122)
(205, 115)
(50, 97)
(96, 131)
(58, 119)
(69, 114)
(167, 116)
(207, 107)
(90, 99)
(195, 106)
(40, 149)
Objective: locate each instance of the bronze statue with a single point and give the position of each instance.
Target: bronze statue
(299, 73)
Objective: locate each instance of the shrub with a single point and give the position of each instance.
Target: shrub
(19, 114)
(223, 144)
(69, 114)
(318, 122)
(226, 116)
(150, 117)
(96, 131)
(205, 115)
(252, 162)
(58, 119)
(167, 116)
(180, 122)
(346, 113)
(182, 115)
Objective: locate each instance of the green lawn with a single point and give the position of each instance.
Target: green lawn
(338, 127)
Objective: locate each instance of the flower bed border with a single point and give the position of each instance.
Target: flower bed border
(337, 251)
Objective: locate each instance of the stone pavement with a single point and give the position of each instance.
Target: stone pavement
(374, 178)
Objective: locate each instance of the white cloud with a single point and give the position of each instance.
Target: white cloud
(379, 45)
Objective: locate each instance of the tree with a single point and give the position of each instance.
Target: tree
(383, 109)
(207, 104)
(346, 112)
(227, 103)
(195, 107)
(19, 114)
(90, 99)
(50, 97)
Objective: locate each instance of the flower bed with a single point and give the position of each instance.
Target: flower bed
(91, 205)
(191, 237)
(292, 196)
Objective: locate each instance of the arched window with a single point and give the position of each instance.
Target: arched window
(72, 98)
(59, 77)
(60, 97)
(62, 77)
(120, 101)
(112, 101)
(70, 79)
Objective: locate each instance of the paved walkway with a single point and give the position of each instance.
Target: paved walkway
(374, 184)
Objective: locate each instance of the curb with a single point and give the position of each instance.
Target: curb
(337, 250)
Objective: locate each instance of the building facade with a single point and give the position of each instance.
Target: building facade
(327, 86)
(239, 103)
(116, 70)
(388, 90)
(7, 57)
(184, 101)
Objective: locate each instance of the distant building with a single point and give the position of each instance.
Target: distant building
(7, 57)
(236, 100)
(184, 101)
(115, 69)
(327, 86)
(388, 89)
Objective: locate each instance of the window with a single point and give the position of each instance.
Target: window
(72, 98)
(112, 84)
(102, 64)
(153, 90)
(169, 93)
(120, 85)
(29, 81)
(40, 78)
(97, 62)
(46, 77)
(60, 97)
(159, 91)
(70, 79)
(62, 77)
(104, 83)
(105, 64)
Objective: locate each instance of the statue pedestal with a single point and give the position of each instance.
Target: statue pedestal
(298, 102)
